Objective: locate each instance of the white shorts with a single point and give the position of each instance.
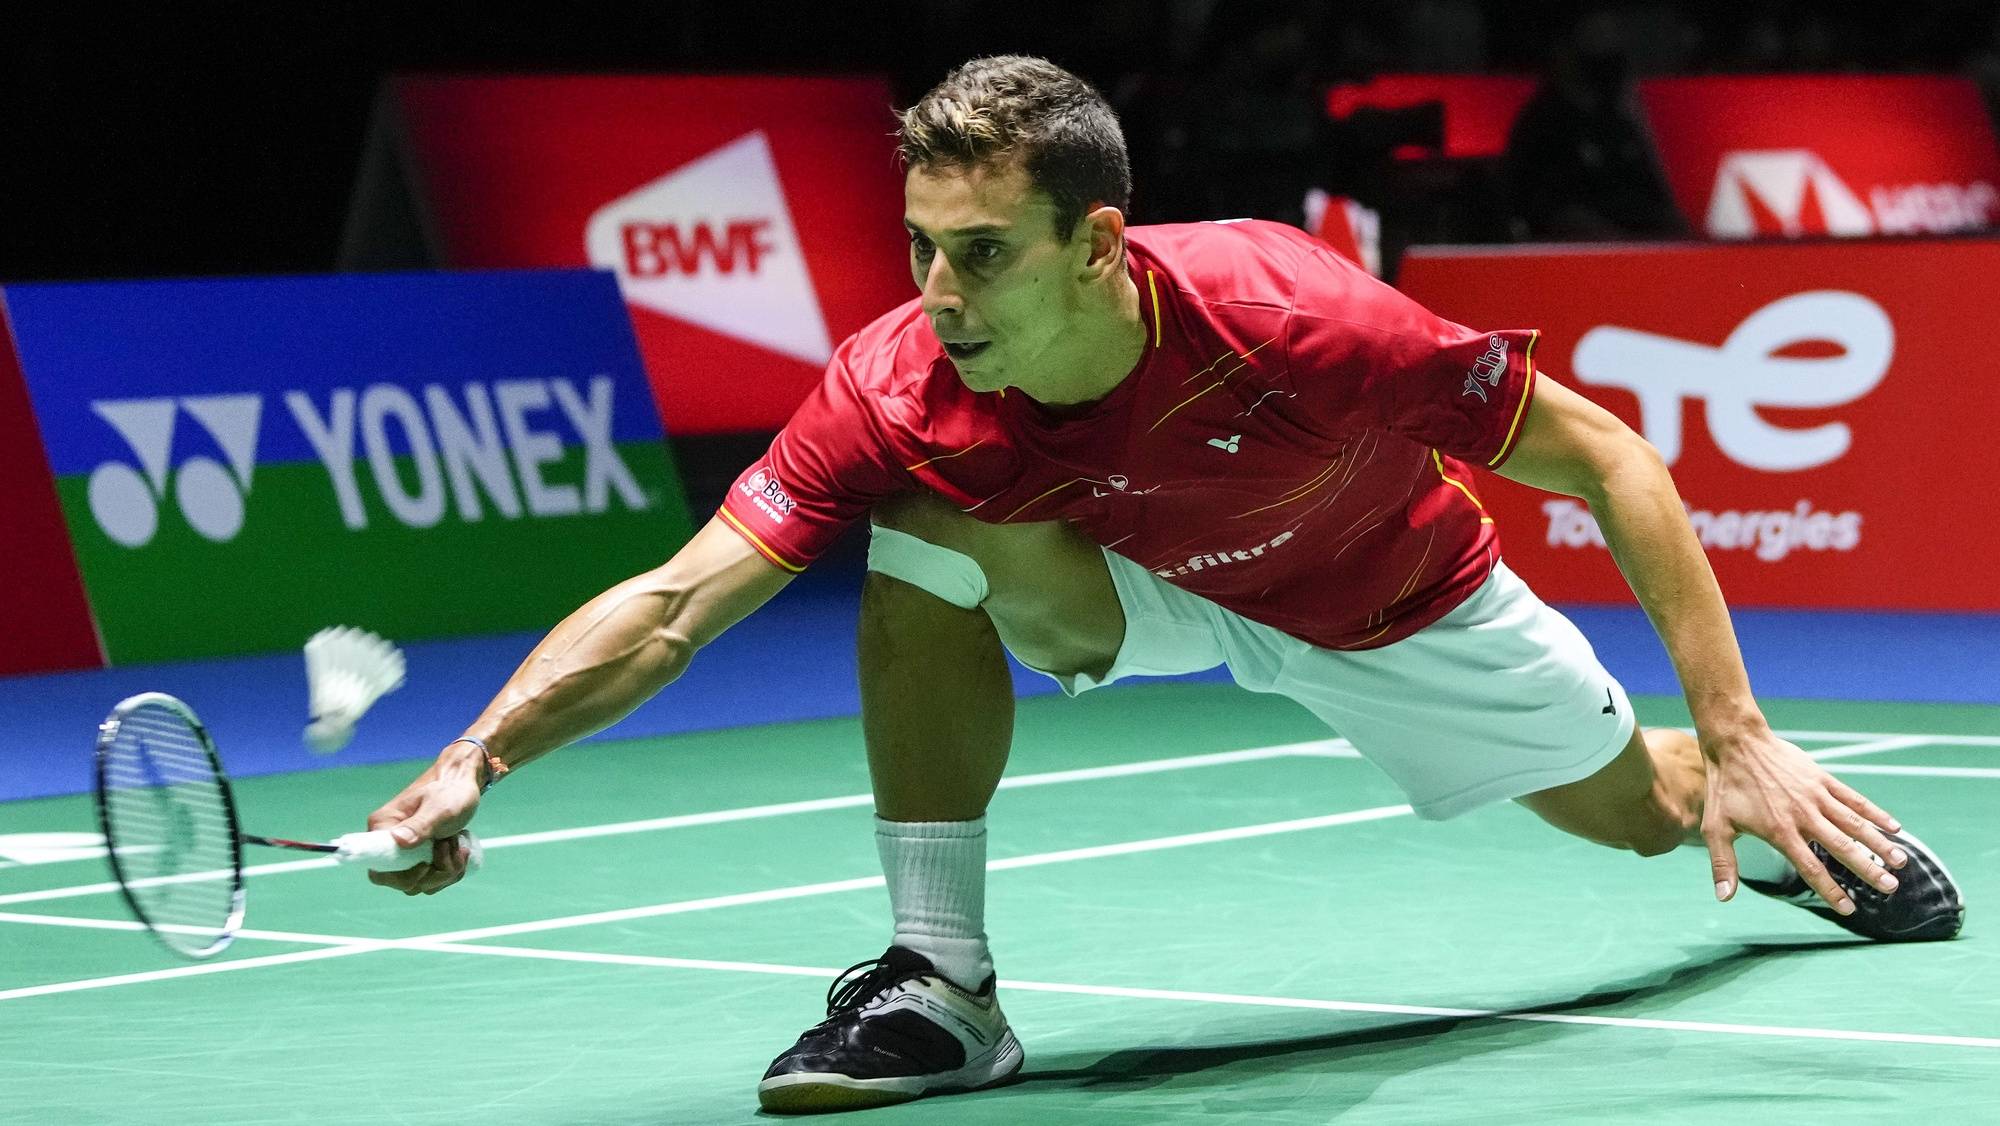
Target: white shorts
(1499, 698)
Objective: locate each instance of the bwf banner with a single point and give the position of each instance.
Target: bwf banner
(752, 222)
(1826, 155)
(1825, 408)
(241, 462)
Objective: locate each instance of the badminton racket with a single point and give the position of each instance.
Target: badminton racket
(171, 830)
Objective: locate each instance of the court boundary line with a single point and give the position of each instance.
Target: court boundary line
(1874, 742)
(342, 945)
(360, 945)
(1318, 748)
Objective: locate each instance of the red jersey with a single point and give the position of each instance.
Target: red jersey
(1292, 444)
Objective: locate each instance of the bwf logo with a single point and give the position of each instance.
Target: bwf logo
(712, 243)
(126, 500)
(424, 454)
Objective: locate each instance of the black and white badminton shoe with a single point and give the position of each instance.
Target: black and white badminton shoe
(1926, 905)
(895, 1030)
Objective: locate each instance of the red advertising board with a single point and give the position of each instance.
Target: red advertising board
(1479, 109)
(1825, 407)
(1826, 155)
(753, 222)
(44, 615)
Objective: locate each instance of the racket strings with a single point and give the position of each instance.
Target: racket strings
(171, 832)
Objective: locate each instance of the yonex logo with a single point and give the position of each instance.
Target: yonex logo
(489, 444)
(1748, 372)
(126, 500)
(712, 243)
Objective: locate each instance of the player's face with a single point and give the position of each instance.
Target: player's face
(999, 287)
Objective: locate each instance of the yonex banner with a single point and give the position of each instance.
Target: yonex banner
(1824, 407)
(242, 462)
(1826, 155)
(752, 222)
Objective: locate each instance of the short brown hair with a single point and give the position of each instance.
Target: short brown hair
(1019, 106)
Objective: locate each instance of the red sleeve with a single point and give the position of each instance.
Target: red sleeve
(1362, 353)
(824, 470)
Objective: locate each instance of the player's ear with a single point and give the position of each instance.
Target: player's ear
(1104, 228)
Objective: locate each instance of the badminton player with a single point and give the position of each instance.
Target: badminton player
(1123, 451)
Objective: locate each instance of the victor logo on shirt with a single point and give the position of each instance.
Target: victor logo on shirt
(1487, 369)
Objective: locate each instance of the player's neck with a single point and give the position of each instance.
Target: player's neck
(1102, 352)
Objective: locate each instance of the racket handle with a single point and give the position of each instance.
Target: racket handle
(380, 852)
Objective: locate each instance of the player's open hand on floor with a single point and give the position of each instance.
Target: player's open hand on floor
(1764, 786)
(433, 808)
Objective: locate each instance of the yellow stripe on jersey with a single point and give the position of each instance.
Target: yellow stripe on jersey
(1460, 486)
(1219, 381)
(1153, 284)
(1030, 504)
(1297, 493)
(1520, 411)
(944, 457)
(763, 548)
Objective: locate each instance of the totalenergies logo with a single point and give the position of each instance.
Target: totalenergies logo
(1749, 371)
(1794, 192)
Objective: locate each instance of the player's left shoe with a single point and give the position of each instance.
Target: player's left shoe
(896, 1029)
(1925, 906)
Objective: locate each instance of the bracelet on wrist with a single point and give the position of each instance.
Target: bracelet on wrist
(495, 769)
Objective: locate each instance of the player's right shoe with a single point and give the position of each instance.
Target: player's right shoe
(895, 1030)
(1926, 905)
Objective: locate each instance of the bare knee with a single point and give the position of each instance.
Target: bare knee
(1050, 595)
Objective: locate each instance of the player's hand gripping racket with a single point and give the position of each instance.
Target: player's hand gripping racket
(170, 827)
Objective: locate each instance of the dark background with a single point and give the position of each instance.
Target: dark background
(225, 138)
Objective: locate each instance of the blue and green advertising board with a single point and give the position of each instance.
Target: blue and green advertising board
(240, 462)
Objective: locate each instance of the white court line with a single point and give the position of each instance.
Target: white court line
(1249, 999)
(1182, 840)
(1319, 748)
(1872, 747)
(1918, 771)
(349, 945)
(355, 946)
(1939, 740)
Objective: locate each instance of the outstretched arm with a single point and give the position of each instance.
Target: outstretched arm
(605, 659)
(1757, 783)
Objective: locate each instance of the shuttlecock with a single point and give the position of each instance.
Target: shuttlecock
(347, 670)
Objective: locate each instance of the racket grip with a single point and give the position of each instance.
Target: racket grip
(380, 852)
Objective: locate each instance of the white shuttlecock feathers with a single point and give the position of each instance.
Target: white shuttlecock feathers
(347, 670)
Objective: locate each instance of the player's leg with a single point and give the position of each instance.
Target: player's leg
(942, 592)
(1649, 800)
(1503, 698)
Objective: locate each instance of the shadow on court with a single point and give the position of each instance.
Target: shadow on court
(1351, 1065)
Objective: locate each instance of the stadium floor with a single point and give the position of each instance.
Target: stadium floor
(1203, 909)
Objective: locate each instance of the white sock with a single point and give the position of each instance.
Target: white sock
(937, 891)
